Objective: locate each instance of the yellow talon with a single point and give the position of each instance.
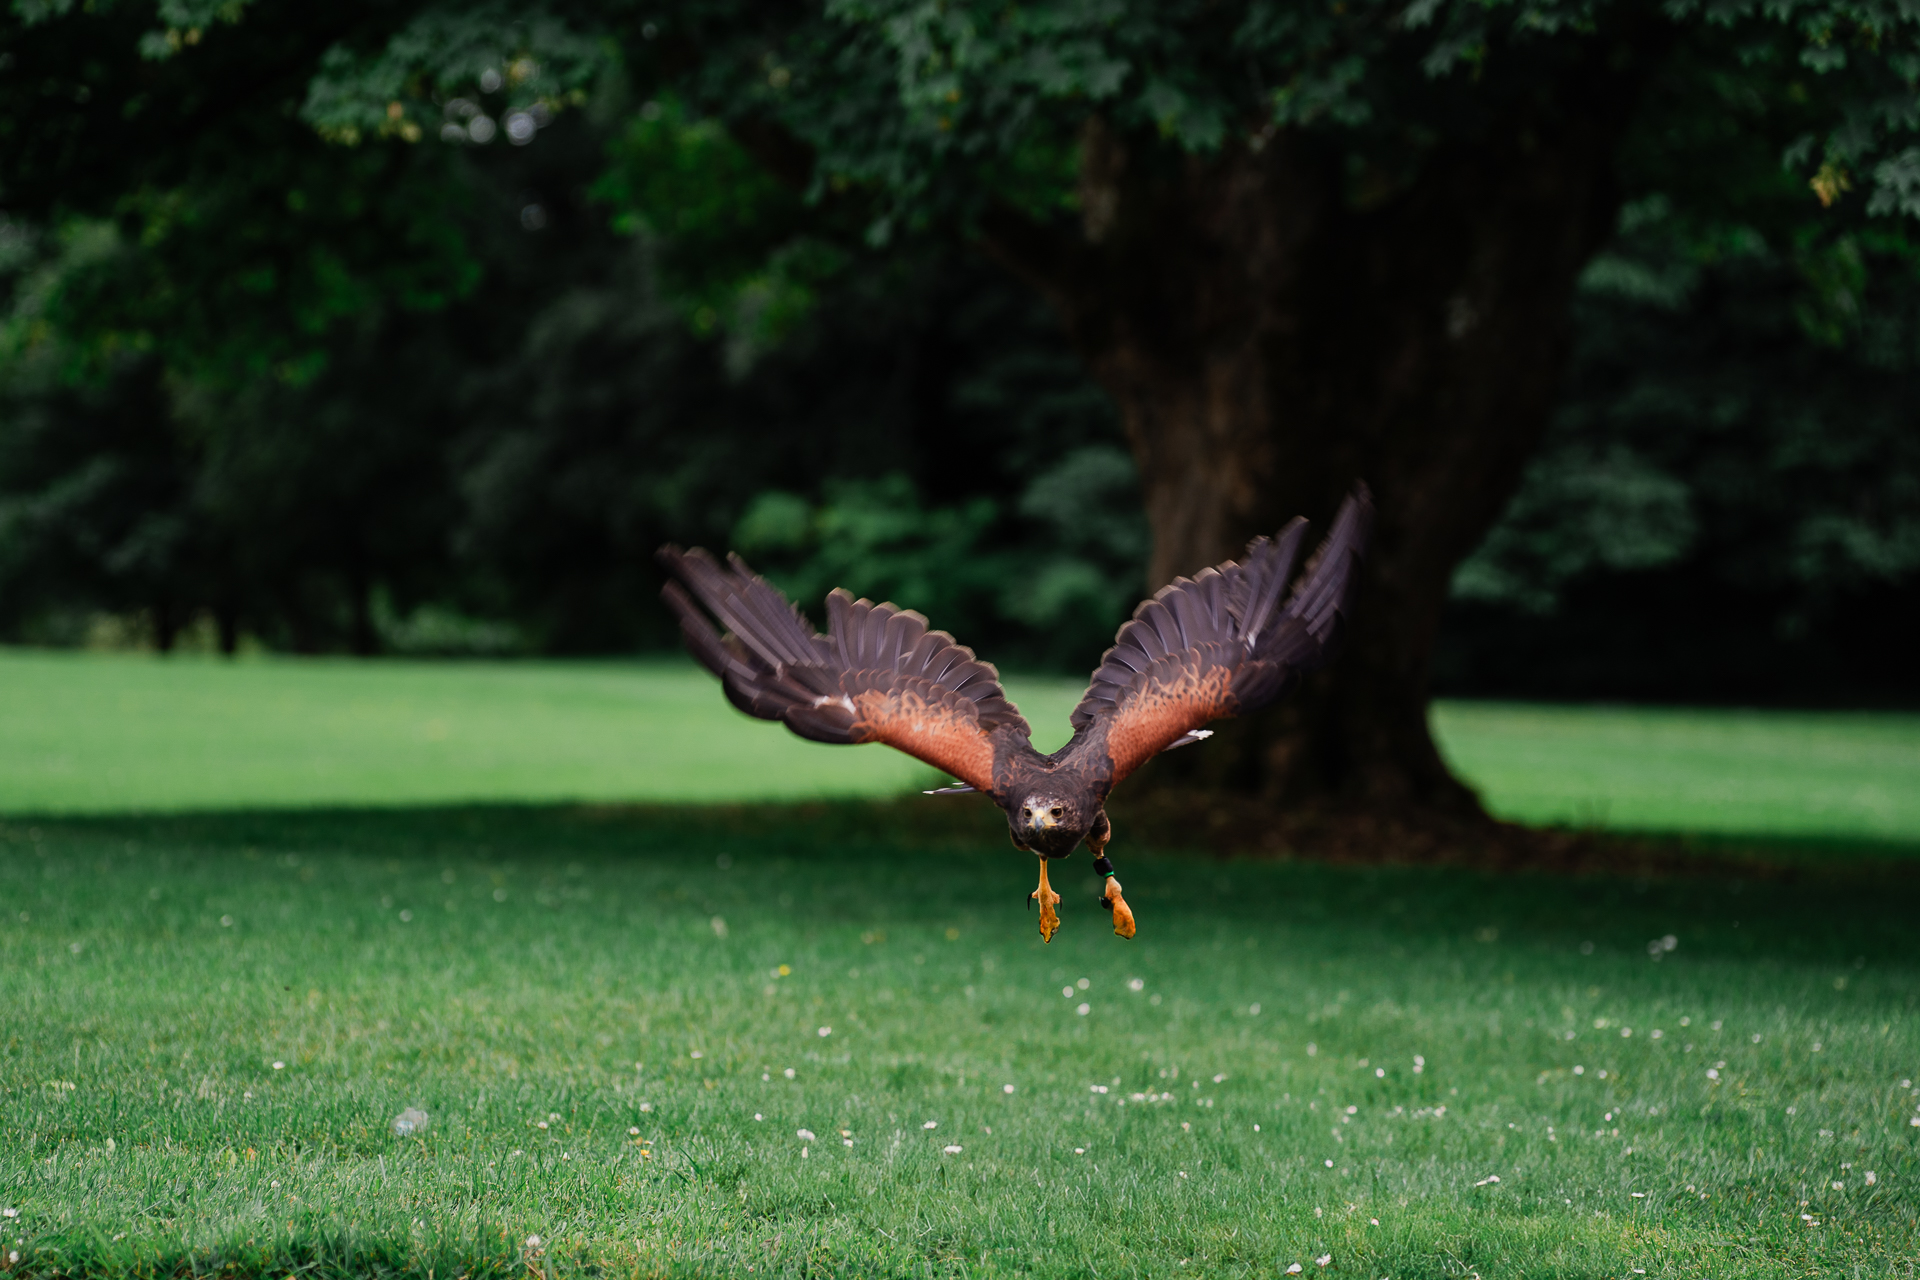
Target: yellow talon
(1046, 897)
(1110, 897)
(1122, 913)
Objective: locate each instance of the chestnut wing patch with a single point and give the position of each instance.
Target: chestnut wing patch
(1169, 700)
(879, 674)
(1225, 642)
(943, 734)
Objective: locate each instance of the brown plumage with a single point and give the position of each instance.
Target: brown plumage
(1225, 642)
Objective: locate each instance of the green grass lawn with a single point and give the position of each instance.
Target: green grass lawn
(209, 1020)
(87, 733)
(112, 733)
(1848, 775)
(620, 1022)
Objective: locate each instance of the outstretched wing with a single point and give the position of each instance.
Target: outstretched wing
(1221, 643)
(878, 675)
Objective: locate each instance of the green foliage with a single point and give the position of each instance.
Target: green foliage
(462, 76)
(737, 257)
(1727, 504)
(214, 1021)
(288, 340)
(959, 564)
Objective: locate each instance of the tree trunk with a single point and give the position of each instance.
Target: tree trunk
(1274, 328)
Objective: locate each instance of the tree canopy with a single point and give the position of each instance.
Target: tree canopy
(417, 324)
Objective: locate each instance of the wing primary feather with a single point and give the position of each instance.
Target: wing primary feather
(1323, 593)
(1276, 566)
(1225, 642)
(878, 674)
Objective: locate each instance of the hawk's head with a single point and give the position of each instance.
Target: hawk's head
(1050, 825)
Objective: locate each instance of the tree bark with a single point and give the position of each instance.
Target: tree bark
(1275, 327)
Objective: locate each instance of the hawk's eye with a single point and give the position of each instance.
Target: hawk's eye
(1056, 811)
(1026, 813)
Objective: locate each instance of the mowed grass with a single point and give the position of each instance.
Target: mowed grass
(827, 1041)
(1833, 776)
(90, 733)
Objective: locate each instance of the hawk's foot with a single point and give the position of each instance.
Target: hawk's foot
(1122, 913)
(1110, 899)
(1046, 897)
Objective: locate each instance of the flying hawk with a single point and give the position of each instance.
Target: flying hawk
(1225, 642)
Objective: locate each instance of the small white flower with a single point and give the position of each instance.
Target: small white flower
(9, 1213)
(1006, 1088)
(1329, 1163)
(1374, 1221)
(1324, 1260)
(533, 1242)
(952, 1150)
(1083, 984)
(1839, 1186)
(1084, 1010)
(1295, 1269)
(635, 1131)
(805, 1135)
(1079, 1151)
(1638, 1195)
(931, 1124)
(1221, 1078)
(1135, 984)
(788, 1073)
(646, 1106)
(825, 1032)
(758, 1116)
(696, 1055)
(1492, 1177)
(1872, 1177)
(1067, 991)
(1183, 1173)
(279, 1066)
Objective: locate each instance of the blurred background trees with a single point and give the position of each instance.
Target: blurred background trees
(386, 329)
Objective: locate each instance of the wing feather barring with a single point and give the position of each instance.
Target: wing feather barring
(1225, 642)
